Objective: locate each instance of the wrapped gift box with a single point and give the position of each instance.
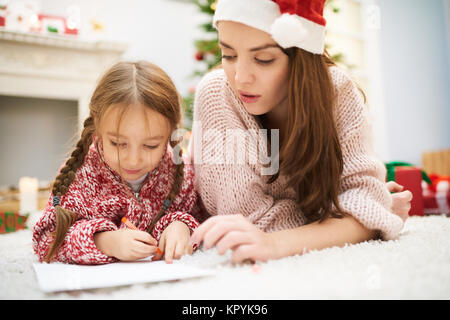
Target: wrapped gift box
(411, 179)
(12, 221)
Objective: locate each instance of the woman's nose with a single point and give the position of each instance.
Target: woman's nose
(243, 73)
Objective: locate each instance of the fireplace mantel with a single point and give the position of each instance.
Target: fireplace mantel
(54, 66)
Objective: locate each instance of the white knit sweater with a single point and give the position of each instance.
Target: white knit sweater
(226, 188)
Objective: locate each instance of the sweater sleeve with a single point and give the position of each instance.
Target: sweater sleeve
(182, 207)
(78, 246)
(363, 190)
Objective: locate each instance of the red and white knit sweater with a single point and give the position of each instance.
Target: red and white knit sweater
(101, 200)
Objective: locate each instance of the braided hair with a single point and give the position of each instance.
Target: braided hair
(64, 217)
(125, 83)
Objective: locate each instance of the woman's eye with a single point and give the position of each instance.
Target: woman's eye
(228, 57)
(261, 61)
(151, 147)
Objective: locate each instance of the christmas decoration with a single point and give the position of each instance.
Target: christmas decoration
(12, 221)
(436, 196)
(199, 56)
(3, 8)
(52, 24)
(21, 15)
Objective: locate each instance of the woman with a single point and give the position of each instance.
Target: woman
(327, 189)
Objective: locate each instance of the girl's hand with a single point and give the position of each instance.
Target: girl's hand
(126, 244)
(174, 242)
(237, 233)
(401, 201)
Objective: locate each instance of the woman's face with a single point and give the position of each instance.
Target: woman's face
(140, 143)
(255, 66)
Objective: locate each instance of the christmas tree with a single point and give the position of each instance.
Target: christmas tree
(209, 56)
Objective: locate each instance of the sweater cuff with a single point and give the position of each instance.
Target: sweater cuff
(81, 245)
(167, 219)
(373, 215)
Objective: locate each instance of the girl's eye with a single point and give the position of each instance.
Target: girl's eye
(115, 144)
(151, 147)
(264, 61)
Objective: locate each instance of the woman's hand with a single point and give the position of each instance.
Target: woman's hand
(126, 244)
(401, 201)
(237, 233)
(174, 242)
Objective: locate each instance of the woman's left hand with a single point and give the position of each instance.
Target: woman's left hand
(237, 233)
(401, 200)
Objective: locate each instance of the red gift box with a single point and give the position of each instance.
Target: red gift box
(12, 221)
(411, 179)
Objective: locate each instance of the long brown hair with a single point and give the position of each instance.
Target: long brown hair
(310, 154)
(125, 83)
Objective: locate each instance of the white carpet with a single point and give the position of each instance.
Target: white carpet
(416, 266)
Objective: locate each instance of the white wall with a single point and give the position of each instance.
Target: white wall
(415, 62)
(36, 152)
(161, 31)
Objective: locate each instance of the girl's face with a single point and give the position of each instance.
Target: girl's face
(140, 143)
(255, 66)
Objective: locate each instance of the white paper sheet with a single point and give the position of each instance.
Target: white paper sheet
(64, 277)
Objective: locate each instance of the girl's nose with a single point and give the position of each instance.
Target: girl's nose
(133, 157)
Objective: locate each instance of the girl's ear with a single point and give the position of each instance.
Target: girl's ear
(98, 141)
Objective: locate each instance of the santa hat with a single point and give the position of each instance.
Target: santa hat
(291, 23)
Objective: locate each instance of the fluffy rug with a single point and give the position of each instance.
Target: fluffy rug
(416, 266)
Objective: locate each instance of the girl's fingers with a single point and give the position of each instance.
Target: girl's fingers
(158, 255)
(142, 250)
(232, 239)
(180, 250)
(144, 237)
(169, 251)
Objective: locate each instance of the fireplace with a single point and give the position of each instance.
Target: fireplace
(45, 85)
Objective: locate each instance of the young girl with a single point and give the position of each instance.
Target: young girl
(122, 167)
(329, 190)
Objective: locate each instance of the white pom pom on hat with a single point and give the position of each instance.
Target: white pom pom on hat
(291, 23)
(288, 30)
